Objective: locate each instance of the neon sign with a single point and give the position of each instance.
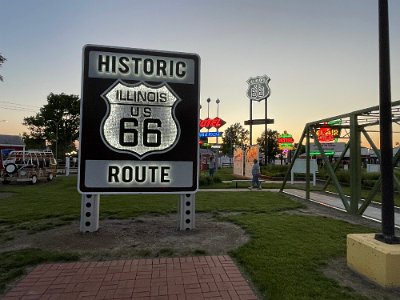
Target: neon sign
(210, 134)
(285, 141)
(326, 133)
(210, 123)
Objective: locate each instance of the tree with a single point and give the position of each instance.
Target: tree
(234, 135)
(2, 60)
(273, 147)
(57, 123)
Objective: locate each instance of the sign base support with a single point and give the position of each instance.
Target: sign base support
(90, 206)
(186, 212)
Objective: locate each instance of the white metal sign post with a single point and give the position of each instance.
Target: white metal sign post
(259, 90)
(139, 125)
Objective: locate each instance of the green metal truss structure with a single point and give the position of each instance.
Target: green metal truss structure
(354, 124)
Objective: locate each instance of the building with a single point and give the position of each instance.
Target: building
(9, 143)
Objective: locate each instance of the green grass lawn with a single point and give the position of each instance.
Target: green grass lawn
(365, 193)
(286, 253)
(283, 258)
(225, 174)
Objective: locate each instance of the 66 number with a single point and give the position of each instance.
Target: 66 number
(129, 134)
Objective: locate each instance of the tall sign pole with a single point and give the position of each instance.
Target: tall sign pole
(251, 124)
(139, 127)
(259, 90)
(385, 119)
(266, 135)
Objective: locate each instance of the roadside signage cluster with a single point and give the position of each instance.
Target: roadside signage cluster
(285, 141)
(328, 134)
(139, 121)
(209, 123)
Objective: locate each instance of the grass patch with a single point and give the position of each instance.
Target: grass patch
(165, 252)
(48, 205)
(265, 202)
(286, 253)
(222, 173)
(14, 263)
(365, 193)
(143, 253)
(199, 252)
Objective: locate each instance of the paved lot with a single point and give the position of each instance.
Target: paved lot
(204, 277)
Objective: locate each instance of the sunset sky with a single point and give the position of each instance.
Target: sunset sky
(321, 55)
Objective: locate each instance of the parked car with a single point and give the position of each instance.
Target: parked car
(28, 166)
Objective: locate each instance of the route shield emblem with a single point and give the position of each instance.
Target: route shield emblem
(140, 118)
(258, 88)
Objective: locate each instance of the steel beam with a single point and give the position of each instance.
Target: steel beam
(331, 173)
(355, 164)
(308, 164)
(296, 154)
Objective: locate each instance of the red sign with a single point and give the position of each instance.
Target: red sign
(283, 140)
(327, 134)
(209, 123)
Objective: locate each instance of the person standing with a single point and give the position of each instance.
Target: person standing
(211, 167)
(255, 172)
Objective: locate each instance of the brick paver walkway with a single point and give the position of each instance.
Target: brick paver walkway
(204, 277)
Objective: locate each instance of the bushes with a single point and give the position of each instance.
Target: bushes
(369, 184)
(343, 177)
(367, 179)
(370, 176)
(208, 180)
(274, 170)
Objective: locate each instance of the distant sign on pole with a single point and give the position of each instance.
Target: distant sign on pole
(258, 88)
(139, 121)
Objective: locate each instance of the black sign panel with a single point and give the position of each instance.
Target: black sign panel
(139, 121)
(259, 121)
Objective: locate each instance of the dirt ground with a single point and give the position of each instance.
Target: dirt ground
(157, 235)
(150, 236)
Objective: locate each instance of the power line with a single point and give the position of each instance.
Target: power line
(18, 107)
(13, 103)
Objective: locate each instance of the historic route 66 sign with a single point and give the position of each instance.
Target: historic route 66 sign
(139, 121)
(143, 116)
(258, 88)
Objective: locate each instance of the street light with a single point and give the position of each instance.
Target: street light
(56, 123)
(208, 107)
(388, 234)
(217, 101)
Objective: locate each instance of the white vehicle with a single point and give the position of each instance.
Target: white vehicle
(28, 166)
